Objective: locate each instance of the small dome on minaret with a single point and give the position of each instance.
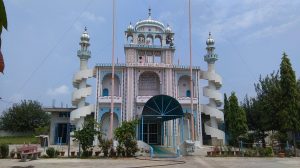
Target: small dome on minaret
(210, 40)
(130, 28)
(168, 29)
(85, 36)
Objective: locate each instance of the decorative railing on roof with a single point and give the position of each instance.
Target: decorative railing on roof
(149, 46)
(110, 64)
(159, 65)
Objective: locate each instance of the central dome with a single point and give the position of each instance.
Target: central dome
(149, 22)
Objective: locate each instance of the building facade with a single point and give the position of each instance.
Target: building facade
(151, 88)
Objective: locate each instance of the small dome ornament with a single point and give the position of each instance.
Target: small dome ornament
(168, 29)
(130, 28)
(210, 40)
(85, 36)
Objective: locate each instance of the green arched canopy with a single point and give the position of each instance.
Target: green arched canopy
(162, 107)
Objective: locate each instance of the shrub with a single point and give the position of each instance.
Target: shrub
(105, 145)
(51, 152)
(268, 151)
(4, 150)
(120, 151)
(250, 153)
(131, 147)
(125, 135)
(265, 152)
(86, 135)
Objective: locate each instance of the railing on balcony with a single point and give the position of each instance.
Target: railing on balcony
(107, 99)
(154, 65)
(142, 99)
(187, 100)
(148, 46)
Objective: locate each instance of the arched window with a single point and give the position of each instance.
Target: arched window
(129, 39)
(107, 84)
(105, 92)
(183, 86)
(157, 40)
(188, 93)
(141, 39)
(149, 84)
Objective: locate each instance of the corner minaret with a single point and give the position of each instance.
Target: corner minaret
(81, 88)
(213, 94)
(210, 57)
(84, 53)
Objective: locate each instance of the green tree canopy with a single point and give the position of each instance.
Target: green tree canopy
(289, 118)
(226, 113)
(289, 112)
(24, 116)
(266, 107)
(125, 135)
(238, 122)
(86, 135)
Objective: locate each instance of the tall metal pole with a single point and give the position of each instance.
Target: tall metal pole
(191, 71)
(113, 74)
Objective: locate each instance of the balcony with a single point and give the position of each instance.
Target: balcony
(107, 99)
(187, 100)
(142, 99)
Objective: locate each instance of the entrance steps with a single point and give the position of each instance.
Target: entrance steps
(163, 152)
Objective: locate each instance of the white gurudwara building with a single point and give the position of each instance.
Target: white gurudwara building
(150, 87)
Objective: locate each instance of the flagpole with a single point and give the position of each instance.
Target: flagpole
(191, 74)
(113, 74)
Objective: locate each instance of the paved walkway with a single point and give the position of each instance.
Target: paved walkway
(186, 162)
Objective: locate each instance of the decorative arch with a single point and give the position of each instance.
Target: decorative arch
(184, 86)
(149, 84)
(105, 124)
(107, 84)
(130, 38)
(149, 39)
(141, 39)
(157, 40)
(163, 107)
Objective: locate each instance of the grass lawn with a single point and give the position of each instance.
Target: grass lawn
(19, 140)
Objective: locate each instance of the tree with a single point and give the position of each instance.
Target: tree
(289, 114)
(238, 121)
(125, 135)
(3, 23)
(255, 119)
(86, 135)
(226, 112)
(24, 117)
(262, 110)
(268, 92)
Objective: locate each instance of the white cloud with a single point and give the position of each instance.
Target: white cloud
(253, 18)
(92, 17)
(271, 30)
(61, 90)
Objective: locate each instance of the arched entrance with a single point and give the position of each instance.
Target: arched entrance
(157, 113)
(105, 124)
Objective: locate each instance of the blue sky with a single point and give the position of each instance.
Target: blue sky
(42, 39)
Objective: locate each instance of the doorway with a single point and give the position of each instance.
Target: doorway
(152, 133)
